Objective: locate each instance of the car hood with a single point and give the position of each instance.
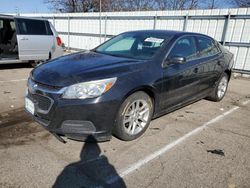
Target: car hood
(82, 66)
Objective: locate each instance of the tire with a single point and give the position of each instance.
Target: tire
(220, 89)
(36, 63)
(33, 63)
(134, 116)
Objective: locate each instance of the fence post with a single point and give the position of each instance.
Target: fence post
(225, 28)
(54, 22)
(68, 33)
(185, 23)
(155, 20)
(100, 24)
(105, 28)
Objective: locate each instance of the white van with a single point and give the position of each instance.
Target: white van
(25, 39)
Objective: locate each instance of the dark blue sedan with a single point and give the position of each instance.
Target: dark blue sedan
(118, 87)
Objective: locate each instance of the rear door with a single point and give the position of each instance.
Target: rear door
(181, 81)
(210, 62)
(35, 39)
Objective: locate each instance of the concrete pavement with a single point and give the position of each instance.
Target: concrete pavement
(216, 156)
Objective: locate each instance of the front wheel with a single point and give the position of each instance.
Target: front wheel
(220, 89)
(134, 116)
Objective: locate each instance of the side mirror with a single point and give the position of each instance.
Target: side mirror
(174, 60)
(177, 60)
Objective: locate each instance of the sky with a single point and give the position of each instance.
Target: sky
(24, 6)
(38, 6)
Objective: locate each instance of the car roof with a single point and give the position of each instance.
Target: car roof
(167, 32)
(6, 16)
(15, 16)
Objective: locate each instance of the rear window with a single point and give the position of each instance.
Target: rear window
(33, 27)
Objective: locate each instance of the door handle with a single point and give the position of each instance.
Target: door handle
(196, 70)
(24, 38)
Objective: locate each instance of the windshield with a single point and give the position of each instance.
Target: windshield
(133, 45)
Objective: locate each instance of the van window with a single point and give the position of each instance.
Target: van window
(32, 27)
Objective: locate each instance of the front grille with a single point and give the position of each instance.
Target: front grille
(45, 86)
(38, 93)
(43, 103)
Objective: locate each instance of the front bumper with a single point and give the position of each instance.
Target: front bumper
(74, 118)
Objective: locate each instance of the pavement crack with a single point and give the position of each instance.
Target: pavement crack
(233, 132)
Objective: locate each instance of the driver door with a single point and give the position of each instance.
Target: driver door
(180, 80)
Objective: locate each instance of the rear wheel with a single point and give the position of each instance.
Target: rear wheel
(33, 63)
(134, 116)
(220, 89)
(36, 63)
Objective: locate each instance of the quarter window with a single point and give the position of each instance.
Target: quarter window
(184, 47)
(206, 47)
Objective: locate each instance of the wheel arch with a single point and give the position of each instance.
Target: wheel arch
(228, 72)
(150, 91)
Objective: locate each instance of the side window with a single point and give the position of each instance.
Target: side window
(184, 47)
(31, 27)
(206, 47)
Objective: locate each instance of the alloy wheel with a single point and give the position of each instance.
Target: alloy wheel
(222, 87)
(136, 117)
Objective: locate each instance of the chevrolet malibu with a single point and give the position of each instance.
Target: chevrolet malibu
(121, 85)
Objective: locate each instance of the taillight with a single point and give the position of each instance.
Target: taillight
(59, 41)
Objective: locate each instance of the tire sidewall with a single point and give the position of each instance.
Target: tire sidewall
(119, 130)
(217, 87)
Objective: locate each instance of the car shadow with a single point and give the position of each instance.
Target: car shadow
(93, 170)
(15, 66)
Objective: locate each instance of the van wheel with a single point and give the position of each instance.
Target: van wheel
(36, 63)
(134, 116)
(220, 90)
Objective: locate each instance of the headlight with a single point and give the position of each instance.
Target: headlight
(88, 89)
